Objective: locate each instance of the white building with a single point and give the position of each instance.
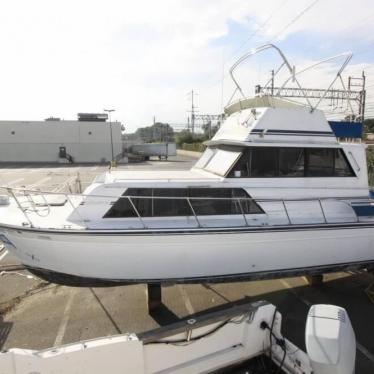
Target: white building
(90, 139)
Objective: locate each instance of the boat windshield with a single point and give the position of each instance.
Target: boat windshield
(219, 160)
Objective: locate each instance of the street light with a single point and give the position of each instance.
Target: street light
(109, 111)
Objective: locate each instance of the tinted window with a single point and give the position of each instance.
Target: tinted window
(143, 206)
(121, 208)
(223, 201)
(291, 162)
(283, 162)
(320, 162)
(342, 167)
(242, 168)
(205, 201)
(264, 162)
(170, 207)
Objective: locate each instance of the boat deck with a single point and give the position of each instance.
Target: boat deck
(37, 315)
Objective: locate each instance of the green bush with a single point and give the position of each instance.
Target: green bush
(194, 147)
(370, 164)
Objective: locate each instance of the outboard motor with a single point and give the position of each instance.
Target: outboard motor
(330, 340)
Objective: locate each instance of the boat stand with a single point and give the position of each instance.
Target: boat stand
(314, 280)
(154, 296)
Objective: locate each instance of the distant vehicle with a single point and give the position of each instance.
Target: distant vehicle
(274, 194)
(160, 150)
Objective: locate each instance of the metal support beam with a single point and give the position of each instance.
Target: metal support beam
(209, 117)
(154, 296)
(310, 93)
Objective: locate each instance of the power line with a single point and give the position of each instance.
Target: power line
(299, 15)
(258, 29)
(294, 20)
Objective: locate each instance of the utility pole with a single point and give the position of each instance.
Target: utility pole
(363, 98)
(192, 114)
(153, 130)
(193, 110)
(109, 111)
(272, 82)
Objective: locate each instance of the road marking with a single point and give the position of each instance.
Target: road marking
(359, 346)
(64, 184)
(15, 181)
(64, 322)
(292, 290)
(365, 352)
(4, 254)
(186, 299)
(39, 182)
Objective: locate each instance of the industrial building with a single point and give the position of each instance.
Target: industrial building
(90, 138)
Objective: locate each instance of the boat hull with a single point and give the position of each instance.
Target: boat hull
(112, 258)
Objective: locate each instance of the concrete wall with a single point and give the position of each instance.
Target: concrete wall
(39, 141)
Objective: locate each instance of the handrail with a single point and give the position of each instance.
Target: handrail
(10, 190)
(193, 211)
(178, 197)
(136, 211)
(188, 199)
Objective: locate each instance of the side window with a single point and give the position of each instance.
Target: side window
(291, 162)
(143, 205)
(221, 201)
(320, 162)
(212, 201)
(242, 167)
(205, 201)
(170, 207)
(264, 162)
(285, 162)
(121, 208)
(342, 167)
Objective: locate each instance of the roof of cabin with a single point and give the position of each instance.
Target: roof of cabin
(279, 124)
(260, 102)
(156, 175)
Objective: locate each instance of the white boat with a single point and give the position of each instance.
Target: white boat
(274, 194)
(214, 342)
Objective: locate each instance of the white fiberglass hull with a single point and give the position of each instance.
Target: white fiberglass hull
(192, 256)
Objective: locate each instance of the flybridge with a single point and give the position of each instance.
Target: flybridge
(347, 102)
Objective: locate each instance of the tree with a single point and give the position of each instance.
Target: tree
(159, 132)
(209, 130)
(369, 125)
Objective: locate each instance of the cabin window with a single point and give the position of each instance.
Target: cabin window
(151, 202)
(265, 162)
(320, 162)
(291, 162)
(222, 160)
(342, 166)
(222, 201)
(205, 158)
(169, 207)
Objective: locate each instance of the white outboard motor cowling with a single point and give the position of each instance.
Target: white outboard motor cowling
(330, 340)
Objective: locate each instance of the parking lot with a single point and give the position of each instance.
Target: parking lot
(37, 315)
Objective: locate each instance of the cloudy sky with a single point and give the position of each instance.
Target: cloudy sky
(143, 57)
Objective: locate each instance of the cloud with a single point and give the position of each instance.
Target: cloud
(142, 57)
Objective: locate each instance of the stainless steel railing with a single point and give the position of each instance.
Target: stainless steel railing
(37, 208)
